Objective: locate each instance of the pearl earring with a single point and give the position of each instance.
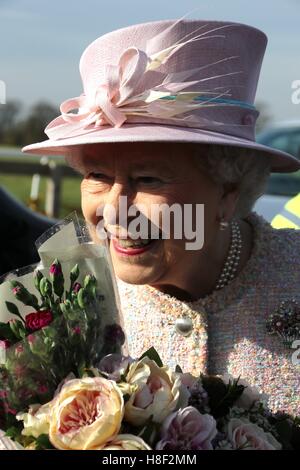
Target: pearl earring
(223, 224)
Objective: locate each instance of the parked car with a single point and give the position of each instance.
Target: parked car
(281, 186)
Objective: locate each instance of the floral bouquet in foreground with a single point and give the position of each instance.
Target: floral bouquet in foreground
(127, 404)
(61, 318)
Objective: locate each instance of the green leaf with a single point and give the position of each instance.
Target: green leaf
(38, 276)
(6, 333)
(23, 295)
(74, 274)
(43, 443)
(12, 308)
(149, 432)
(58, 286)
(153, 355)
(18, 329)
(89, 281)
(13, 432)
(221, 396)
(82, 298)
(82, 367)
(45, 287)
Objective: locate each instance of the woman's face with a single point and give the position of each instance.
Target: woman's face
(148, 174)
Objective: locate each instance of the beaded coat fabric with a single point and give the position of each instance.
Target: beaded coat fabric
(229, 332)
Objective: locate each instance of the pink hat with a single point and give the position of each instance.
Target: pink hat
(167, 81)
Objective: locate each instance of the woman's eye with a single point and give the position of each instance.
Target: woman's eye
(148, 180)
(98, 176)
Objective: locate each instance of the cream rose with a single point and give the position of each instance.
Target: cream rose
(245, 435)
(36, 421)
(154, 391)
(86, 414)
(126, 442)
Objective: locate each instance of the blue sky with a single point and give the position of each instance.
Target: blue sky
(41, 42)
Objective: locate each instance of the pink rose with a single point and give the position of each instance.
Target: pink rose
(245, 435)
(36, 320)
(187, 429)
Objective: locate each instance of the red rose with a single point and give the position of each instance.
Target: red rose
(37, 320)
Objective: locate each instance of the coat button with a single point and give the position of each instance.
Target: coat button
(184, 326)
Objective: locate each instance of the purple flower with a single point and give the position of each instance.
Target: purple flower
(187, 429)
(4, 344)
(197, 396)
(76, 287)
(57, 278)
(115, 365)
(77, 330)
(55, 268)
(42, 389)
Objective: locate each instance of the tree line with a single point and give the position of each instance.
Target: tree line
(17, 129)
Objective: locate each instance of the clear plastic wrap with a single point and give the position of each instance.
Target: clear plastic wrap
(57, 317)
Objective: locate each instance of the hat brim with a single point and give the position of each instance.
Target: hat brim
(280, 161)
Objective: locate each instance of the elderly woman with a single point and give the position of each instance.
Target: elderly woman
(167, 117)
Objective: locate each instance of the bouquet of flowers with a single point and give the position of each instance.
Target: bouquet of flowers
(67, 381)
(127, 404)
(62, 319)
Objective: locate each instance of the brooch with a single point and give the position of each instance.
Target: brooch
(285, 322)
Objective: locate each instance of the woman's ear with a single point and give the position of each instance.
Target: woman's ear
(228, 203)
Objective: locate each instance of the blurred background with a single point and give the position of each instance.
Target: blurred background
(40, 47)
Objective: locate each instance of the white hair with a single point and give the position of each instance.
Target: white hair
(246, 168)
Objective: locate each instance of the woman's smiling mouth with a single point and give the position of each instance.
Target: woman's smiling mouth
(132, 247)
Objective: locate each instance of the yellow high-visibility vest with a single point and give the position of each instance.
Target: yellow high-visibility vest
(290, 215)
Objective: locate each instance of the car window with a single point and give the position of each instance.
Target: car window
(284, 184)
(287, 140)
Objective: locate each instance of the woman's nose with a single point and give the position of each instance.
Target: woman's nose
(117, 203)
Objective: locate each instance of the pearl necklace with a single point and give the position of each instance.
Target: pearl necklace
(233, 258)
(184, 325)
